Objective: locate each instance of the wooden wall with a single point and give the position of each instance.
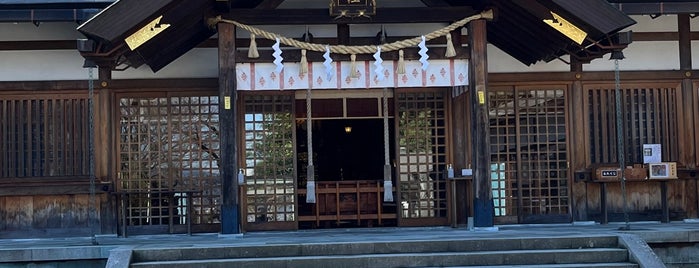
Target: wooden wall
(643, 197)
(50, 215)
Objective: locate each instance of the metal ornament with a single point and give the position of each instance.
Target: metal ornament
(352, 8)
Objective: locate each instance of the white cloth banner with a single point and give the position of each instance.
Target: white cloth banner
(263, 76)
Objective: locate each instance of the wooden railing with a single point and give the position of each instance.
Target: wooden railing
(342, 201)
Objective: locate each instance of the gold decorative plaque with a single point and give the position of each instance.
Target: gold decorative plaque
(566, 28)
(149, 31)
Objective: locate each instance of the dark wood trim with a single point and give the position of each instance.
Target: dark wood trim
(65, 85)
(577, 142)
(546, 77)
(685, 41)
(695, 98)
(321, 16)
(661, 36)
(245, 42)
(51, 186)
(478, 84)
(230, 207)
(213, 42)
(269, 4)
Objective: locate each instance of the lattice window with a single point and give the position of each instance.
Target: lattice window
(169, 146)
(528, 152)
(269, 158)
(43, 136)
(503, 150)
(649, 117)
(543, 153)
(422, 154)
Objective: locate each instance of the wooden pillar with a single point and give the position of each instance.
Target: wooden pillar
(577, 142)
(103, 126)
(478, 84)
(104, 145)
(228, 163)
(688, 154)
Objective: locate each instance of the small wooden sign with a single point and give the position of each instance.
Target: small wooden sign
(352, 8)
(607, 174)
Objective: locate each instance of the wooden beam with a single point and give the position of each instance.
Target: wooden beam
(245, 42)
(228, 164)
(478, 83)
(320, 16)
(269, 4)
(435, 3)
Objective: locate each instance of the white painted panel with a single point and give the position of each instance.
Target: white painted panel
(321, 79)
(293, 79)
(197, 63)
(695, 54)
(387, 76)
(41, 65)
(664, 23)
(407, 30)
(501, 62)
(291, 31)
(657, 55)
(45, 31)
(348, 81)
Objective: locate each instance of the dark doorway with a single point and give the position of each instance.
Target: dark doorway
(346, 149)
(348, 157)
(350, 149)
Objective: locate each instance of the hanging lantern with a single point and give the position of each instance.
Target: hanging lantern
(352, 8)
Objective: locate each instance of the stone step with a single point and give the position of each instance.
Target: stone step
(356, 248)
(449, 259)
(568, 265)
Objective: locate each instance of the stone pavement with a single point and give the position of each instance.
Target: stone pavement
(653, 232)
(81, 247)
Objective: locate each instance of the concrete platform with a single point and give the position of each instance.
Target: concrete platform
(81, 248)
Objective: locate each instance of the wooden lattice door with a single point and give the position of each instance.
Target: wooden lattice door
(269, 191)
(529, 159)
(422, 156)
(168, 162)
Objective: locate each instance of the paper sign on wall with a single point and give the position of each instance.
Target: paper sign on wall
(652, 153)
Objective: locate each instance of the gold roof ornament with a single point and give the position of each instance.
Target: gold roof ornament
(566, 28)
(352, 8)
(146, 33)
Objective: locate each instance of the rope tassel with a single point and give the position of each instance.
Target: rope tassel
(400, 69)
(353, 66)
(310, 188)
(252, 52)
(310, 172)
(387, 191)
(387, 181)
(303, 69)
(451, 52)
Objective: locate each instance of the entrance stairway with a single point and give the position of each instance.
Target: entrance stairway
(591, 251)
